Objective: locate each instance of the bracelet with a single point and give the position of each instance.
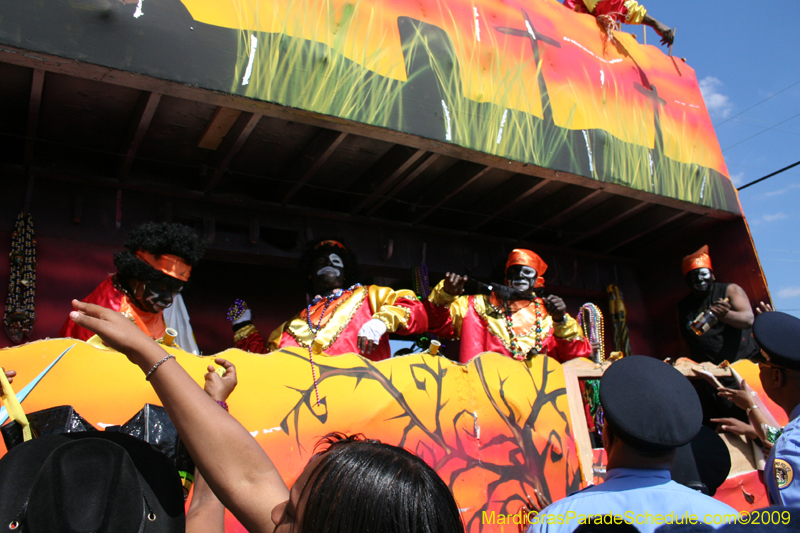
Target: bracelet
(747, 411)
(222, 404)
(155, 366)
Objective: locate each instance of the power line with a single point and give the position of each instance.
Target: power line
(756, 104)
(768, 176)
(762, 131)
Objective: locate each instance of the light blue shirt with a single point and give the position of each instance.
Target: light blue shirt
(783, 488)
(645, 498)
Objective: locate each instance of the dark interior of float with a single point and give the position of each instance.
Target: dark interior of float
(92, 152)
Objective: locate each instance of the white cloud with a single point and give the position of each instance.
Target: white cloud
(767, 219)
(773, 218)
(719, 105)
(789, 292)
(737, 179)
(781, 191)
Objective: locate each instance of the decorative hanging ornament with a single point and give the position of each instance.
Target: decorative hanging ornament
(590, 318)
(20, 314)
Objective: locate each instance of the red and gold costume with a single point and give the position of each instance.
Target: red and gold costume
(339, 319)
(110, 295)
(620, 11)
(480, 321)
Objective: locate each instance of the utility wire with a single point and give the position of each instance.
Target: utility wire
(756, 104)
(768, 176)
(762, 131)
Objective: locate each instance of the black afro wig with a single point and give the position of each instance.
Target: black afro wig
(158, 239)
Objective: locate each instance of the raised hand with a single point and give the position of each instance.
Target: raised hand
(454, 284)
(556, 307)
(116, 331)
(220, 387)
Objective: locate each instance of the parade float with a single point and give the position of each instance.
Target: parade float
(433, 136)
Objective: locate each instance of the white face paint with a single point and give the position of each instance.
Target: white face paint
(524, 280)
(335, 270)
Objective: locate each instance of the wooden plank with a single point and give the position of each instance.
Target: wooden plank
(79, 69)
(218, 127)
(244, 126)
(476, 174)
(649, 229)
(512, 204)
(142, 116)
(34, 106)
(315, 154)
(580, 430)
(622, 216)
(381, 176)
(565, 213)
(411, 176)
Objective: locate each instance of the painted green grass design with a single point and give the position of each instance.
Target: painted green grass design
(313, 76)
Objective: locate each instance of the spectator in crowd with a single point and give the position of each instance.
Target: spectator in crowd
(650, 410)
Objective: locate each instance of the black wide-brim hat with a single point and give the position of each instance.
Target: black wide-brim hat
(778, 336)
(651, 406)
(97, 481)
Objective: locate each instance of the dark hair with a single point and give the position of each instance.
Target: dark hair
(158, 239)
(320, 247)
(364, 485)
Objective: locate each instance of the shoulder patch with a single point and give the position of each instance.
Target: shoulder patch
(783, 473)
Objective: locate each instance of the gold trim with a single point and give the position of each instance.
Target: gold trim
(301, 333)
(497, 326)
(244, 332)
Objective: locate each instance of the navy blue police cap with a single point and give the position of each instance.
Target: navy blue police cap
(651, 406)
(778, 335)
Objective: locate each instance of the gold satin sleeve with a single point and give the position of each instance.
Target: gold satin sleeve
(241, 333)
(636, 12)
(458, 305)
(274, 341)
(381, 301)
(568, 330)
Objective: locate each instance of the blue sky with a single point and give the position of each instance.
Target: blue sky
(743, 53)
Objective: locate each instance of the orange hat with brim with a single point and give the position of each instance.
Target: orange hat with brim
(171, 265)
(699, 259)
(528, 258)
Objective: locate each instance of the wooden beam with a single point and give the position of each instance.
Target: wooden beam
(218, 127)
(34, 106)
(564, 214)
(234, 141)
(142, 116)
(404, 182)
(315, 154)
(609, 223)
(477, 173)
(512, 204)
(649, 229)
(382, 175)
(52, 63)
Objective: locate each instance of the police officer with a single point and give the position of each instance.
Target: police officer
(778, 335)
(650, 410)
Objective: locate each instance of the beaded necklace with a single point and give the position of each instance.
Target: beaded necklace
(329, 298)
(590, 318)
(516, 351)
(19, 313)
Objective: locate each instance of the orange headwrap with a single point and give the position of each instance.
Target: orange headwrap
(171, 265)
(336, 244)
(528, 258)
(699, 259)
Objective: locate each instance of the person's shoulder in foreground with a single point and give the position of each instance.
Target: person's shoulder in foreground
(650, 410)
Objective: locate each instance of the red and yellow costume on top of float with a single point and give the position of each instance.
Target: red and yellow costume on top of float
(331, 323)
(627, 11)
(519, 329)
(111, 295)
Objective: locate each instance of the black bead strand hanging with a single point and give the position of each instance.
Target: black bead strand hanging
(20, 314)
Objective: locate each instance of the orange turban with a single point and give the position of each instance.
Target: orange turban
(699, 259)
(171, 265)
(528, 258)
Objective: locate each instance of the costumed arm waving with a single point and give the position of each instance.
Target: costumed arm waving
(234, 465)
(393, 312)
(445, 315)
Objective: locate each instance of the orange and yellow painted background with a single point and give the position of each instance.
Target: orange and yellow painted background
(494, 429)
